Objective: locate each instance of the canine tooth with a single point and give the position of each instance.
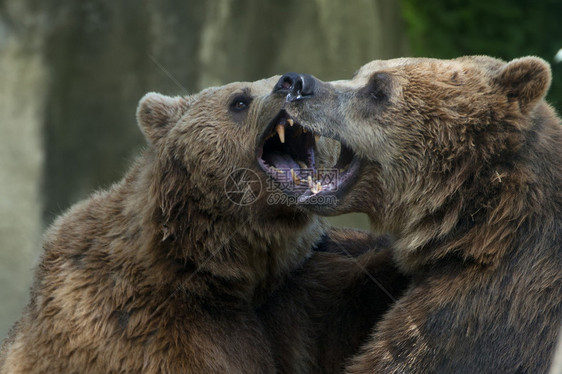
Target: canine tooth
(316, 188)
(316, 138)
(281, 132)
(302, 164)
(310, 183)
(304, 130)
(290, 122)
(296, 179)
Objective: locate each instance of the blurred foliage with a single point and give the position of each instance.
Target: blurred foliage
(505, 29)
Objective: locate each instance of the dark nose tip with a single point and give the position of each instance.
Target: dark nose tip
(295, 86)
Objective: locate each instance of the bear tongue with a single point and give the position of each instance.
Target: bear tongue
(282, 161)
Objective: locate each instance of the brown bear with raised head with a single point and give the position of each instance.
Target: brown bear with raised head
(163, 273)
(461, 160)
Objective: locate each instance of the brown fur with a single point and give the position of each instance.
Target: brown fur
(333, 300)
(162, 274)
(462, 164)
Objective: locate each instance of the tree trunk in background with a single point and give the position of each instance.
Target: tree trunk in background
(251, 39)
(22, 91)
(76, 70)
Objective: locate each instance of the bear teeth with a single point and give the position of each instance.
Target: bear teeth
(281, 132)
(296, 179)
(302, 164)
(290, 122)
(316, 188)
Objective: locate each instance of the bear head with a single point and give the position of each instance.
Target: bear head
(204, 174)
(440, 143)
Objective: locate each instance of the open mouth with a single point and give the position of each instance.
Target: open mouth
(287, 153)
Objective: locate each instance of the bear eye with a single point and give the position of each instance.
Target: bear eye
(377, 94)
(240, 103)
(378, 86)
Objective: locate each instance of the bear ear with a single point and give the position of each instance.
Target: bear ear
(527, 80)
(157, 114)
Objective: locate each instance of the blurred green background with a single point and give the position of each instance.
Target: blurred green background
(72, 72)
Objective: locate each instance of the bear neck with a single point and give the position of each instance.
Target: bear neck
(497, 211)
(205, 251)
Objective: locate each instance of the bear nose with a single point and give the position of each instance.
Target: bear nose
(295, 86)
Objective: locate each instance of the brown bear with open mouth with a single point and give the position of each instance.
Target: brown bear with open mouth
(460, 160)
(186, 266)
